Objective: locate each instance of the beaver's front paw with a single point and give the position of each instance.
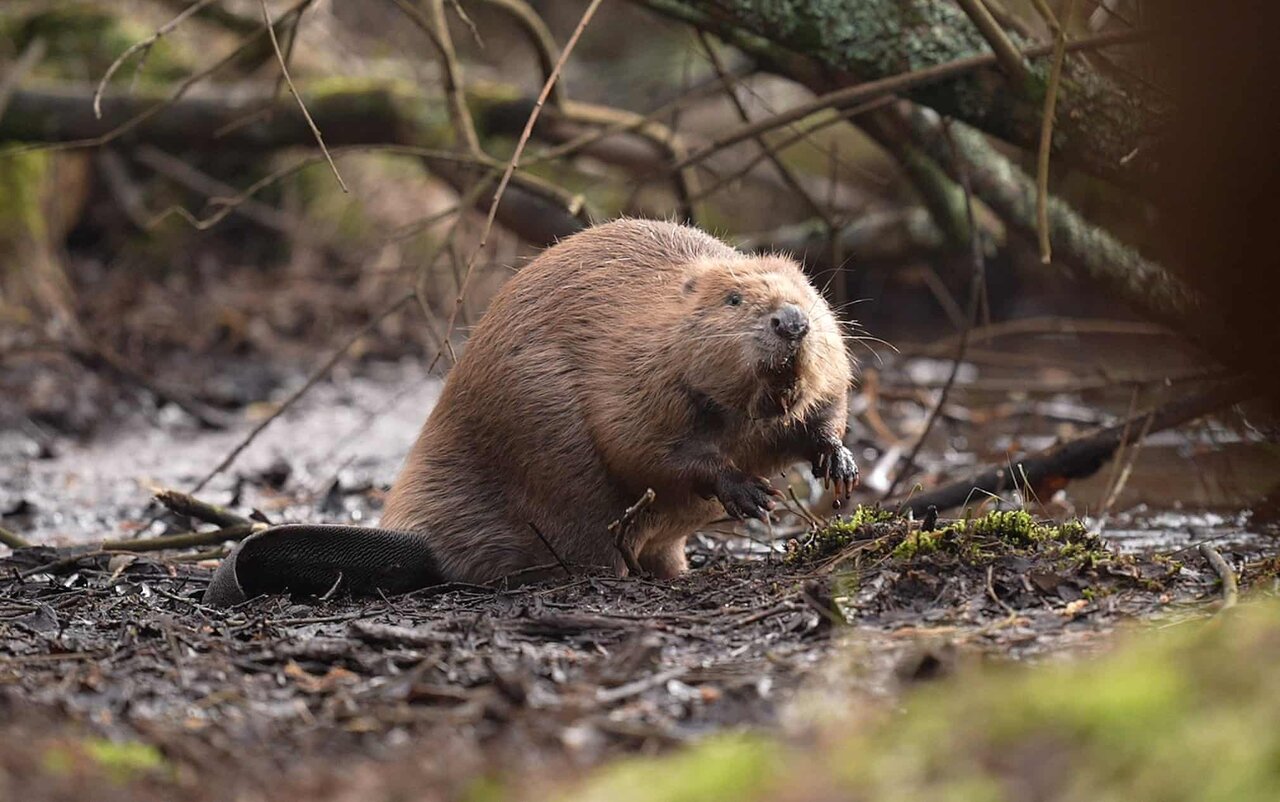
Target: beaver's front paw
(834, 465)
(745, 496)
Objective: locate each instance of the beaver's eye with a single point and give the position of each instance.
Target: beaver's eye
(734, 299)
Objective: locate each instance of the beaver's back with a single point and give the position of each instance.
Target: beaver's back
(595, 280)
(508, 440)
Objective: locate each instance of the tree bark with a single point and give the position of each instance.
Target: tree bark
(827, 44)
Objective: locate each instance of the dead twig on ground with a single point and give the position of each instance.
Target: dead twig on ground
(1083, 456)
(1230, 587)
(622, 527)
(184, 540)
(550, 548)
(611, 695)
(13, 540)
(192, 507)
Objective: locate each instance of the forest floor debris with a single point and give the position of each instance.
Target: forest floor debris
(117, 649)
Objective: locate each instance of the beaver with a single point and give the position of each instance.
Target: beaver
(633, 355)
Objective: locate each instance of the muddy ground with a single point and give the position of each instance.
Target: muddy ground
(452, 684)
(114, 678)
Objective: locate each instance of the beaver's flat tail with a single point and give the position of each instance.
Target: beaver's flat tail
(314, 559)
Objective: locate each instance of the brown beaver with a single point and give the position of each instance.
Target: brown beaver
(636, 354)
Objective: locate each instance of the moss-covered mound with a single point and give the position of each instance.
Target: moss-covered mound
(1003, 561)
(874, 531)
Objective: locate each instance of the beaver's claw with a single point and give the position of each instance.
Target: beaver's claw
(745, 496)
(836, 468)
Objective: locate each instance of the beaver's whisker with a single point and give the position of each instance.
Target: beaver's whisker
(873, 351)
(869, 338)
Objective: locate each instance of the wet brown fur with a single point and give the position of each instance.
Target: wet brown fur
(611, 364)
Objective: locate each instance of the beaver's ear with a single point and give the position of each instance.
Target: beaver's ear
(695, 275)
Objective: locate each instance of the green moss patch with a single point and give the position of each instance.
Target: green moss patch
(877, 533)
(1002, 561)
(120, 762)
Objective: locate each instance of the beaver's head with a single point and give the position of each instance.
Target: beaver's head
(764, 340)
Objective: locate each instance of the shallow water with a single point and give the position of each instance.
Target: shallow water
(1184, 487)
(355, 427)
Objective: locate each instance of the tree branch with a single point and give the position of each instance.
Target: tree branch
(1088, 252)
(833, 44)
(1081, 457)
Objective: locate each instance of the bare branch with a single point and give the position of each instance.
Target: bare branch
(513, 163)
(137, 119)
(539, 35)
(1008, 56)
(145, 46)
(872, 90)
(1046, 124)
(437, 30)
(284, 69)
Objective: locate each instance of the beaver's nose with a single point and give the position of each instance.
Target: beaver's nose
(790, 322)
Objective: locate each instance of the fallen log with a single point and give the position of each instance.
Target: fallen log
(1075, 459)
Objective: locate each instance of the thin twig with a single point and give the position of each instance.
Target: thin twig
(184, 540)
(138, 119)
(1008, 56)
(145, 45)
(178, 502)
(540, 37)
(977, 282)
(436, 29)
(1046, 124)
(226, 205)
(637, 687)
(1230, 588)
(621, 527)
(550, 548)
(27, 61)
(788, 178)
(798, 135)
(13, 540)
(513, 163)
(872, 90)
(991, 591)
(311, 381)
(628, 124)
(284, 68)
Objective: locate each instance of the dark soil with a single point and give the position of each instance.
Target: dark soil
(447, 685)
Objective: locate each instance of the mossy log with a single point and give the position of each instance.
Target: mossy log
(828, 44)
(1086, 252)
(348, 113)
